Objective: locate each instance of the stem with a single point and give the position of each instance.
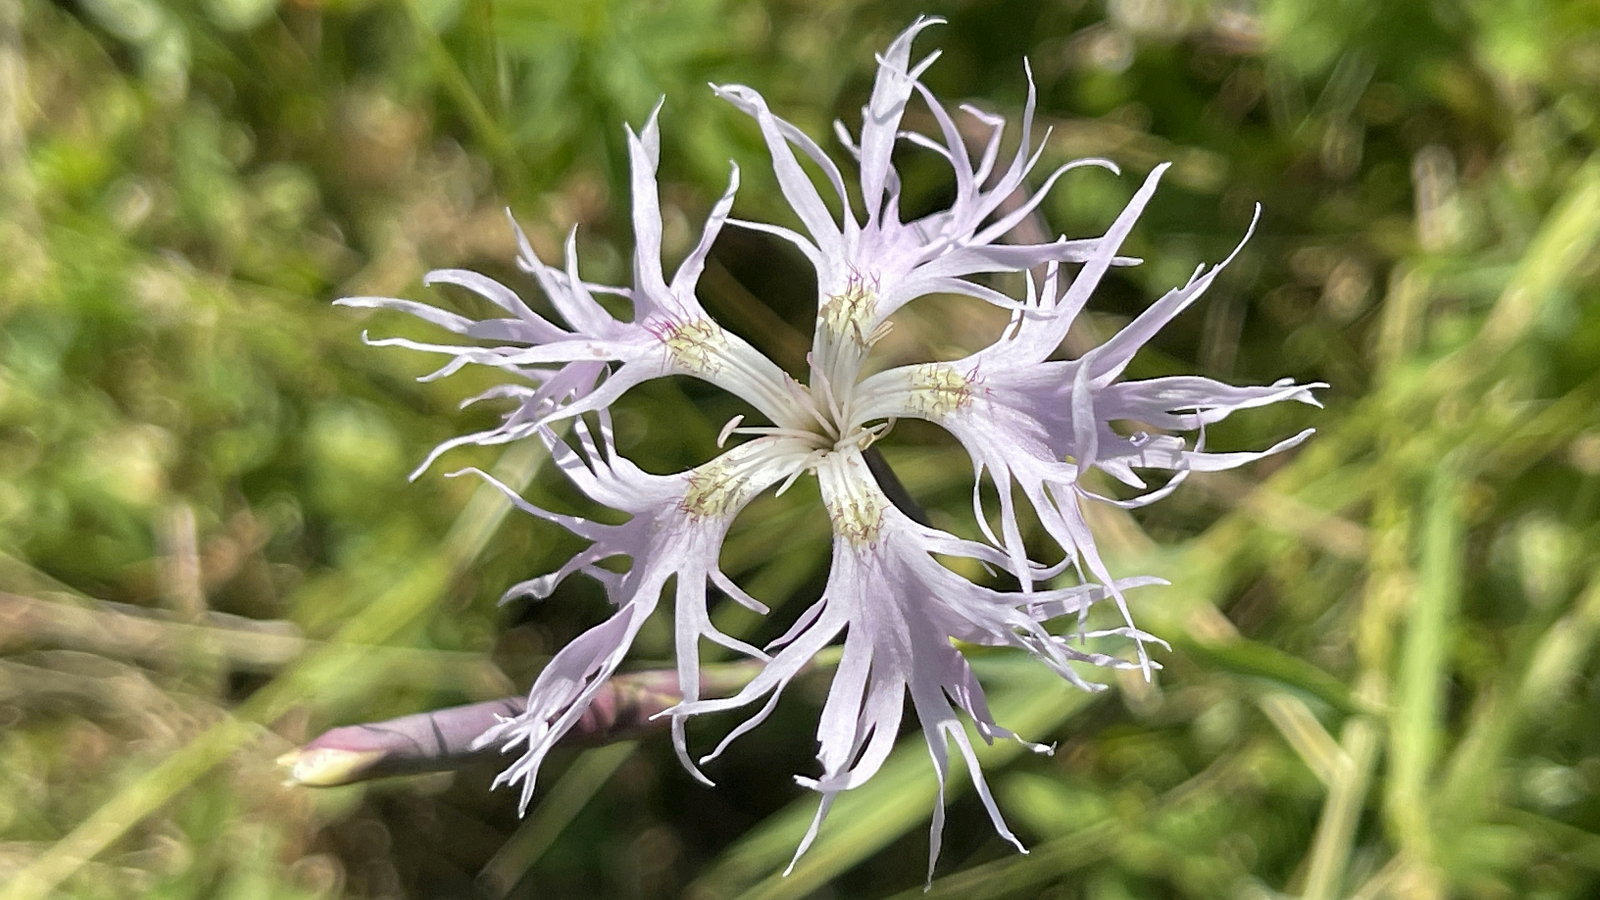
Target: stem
(893, 489)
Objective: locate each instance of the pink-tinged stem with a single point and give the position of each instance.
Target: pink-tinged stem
(442, 739)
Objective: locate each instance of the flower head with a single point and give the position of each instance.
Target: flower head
(1028, 420)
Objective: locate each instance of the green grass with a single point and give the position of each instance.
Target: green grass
(1383, 677)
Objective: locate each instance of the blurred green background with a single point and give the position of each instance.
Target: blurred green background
(1383, 680)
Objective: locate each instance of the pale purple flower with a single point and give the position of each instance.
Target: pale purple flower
(1027, 420)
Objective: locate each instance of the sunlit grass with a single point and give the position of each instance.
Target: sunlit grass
(1382, 665)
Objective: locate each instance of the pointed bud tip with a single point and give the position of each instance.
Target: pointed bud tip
(327, 766)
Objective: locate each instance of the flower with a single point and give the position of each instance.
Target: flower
(1027, 419)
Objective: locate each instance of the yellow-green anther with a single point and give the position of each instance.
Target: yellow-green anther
(857, 514)
(715, 490)
(937, 390)
(695, 346)
(851, 311)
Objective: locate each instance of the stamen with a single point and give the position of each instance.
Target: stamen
(833, 403)
(808, 464)
(810, 437)
(810, 403)
(878, 334)
(728, 429)
(863, 438)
